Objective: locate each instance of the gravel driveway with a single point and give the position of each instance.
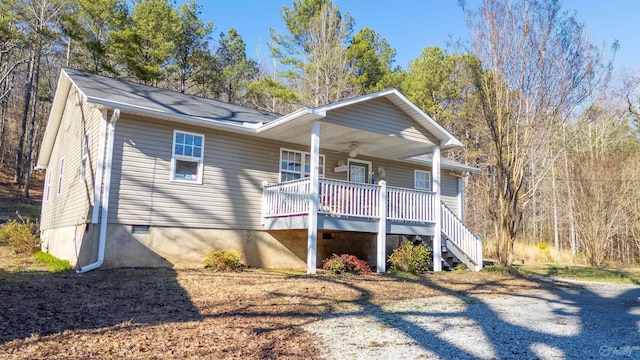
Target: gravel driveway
(570, 319)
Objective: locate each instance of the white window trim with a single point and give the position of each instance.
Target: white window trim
(415, 180)
(60, 176)
(368, 176)
(303, 154)
(175, 157)
(84, 157)
(47, 187)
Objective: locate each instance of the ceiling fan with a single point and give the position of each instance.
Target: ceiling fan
(353, 149)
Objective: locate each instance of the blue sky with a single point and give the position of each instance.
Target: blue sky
(410, 26)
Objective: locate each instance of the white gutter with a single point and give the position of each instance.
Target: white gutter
(194, 120)
(294, 115)
(105, 196)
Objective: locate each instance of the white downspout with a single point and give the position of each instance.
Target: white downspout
(104, 204)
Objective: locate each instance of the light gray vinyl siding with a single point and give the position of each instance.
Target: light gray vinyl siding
(449, 192)
(230, 195)
(73, 205)
(382, 117)
(235, 165)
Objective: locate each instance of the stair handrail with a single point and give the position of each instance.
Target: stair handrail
(460, 235)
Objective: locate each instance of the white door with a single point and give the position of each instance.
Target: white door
(358, 172)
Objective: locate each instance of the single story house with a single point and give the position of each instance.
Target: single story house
(141, 176)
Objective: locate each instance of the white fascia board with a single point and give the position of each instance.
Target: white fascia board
(55, 118)
(445, 164)
(291, 117)
(176, 117)
(84, 96)
(355, 100)
(449, 140)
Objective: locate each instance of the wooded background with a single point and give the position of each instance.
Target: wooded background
(555, 135)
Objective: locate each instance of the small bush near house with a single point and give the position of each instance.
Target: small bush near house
(461, 267)
(20, 235)
(346, 264)
(410, 258)
(51, 262)
(220, 260)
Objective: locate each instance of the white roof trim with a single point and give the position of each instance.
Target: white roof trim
(452, 140)
(53, 123)
(357, 99)
(445, 163)
(446, 139)
(169, 116)
(65, 82)
(316, 114)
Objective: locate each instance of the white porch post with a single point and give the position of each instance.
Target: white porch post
(312, 242)
(381, 264)
(437, 236)
(461, 199)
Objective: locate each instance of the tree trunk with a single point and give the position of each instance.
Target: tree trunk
(23, 127)
(4, 107)
(572, 221)
(27, 168)
(556, 240)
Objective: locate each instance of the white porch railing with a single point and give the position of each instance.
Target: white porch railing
(410, 205)
(345, 198)
(455, 230)
(286, 199)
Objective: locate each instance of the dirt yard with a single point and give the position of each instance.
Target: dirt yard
(149, 314)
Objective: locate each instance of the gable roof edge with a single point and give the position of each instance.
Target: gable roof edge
(447, 140)
(315, 113)
(450, 140)
(55, 119)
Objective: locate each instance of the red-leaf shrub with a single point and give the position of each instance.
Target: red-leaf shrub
(346, 264)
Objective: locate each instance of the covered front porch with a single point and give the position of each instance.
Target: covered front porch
(369, 208)
(379, 128)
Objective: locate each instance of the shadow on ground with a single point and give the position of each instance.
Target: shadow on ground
(552, 319)
(39, 303)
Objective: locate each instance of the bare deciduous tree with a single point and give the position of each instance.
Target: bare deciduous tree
(537, 66)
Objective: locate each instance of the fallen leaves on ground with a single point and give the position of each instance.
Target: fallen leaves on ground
(162, 313)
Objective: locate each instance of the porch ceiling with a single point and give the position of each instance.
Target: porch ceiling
(338, 138)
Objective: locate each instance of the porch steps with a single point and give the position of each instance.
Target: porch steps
(460, 240)
(449, 259)
(452, 256)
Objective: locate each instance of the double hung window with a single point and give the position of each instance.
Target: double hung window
(422, 180)
(187, 159)
(297, 165)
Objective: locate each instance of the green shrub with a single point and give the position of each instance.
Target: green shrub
(461, 267)
(410, 258)
(220, 260)
(51, 262)
(20, 235)
(346, 264)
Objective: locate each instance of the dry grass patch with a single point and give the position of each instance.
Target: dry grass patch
(160, 313)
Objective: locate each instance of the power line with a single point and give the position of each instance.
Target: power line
(593, 180)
